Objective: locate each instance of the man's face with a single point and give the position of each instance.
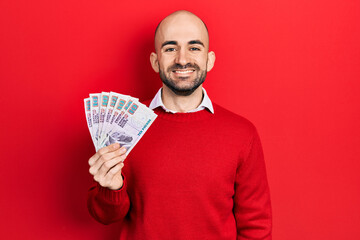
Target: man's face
(181, 53)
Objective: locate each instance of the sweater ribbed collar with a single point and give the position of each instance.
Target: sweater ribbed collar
(184, 117)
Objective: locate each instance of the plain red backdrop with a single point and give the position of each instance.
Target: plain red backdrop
(291, 67)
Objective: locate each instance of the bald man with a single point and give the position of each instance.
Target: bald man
(199, 171)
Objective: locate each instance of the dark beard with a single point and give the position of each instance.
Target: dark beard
(182, 91)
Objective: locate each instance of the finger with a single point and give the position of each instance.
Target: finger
(102, 151)
(111, 173)
(105, 158)
(108, 165)
(110, 155)
(105, 182)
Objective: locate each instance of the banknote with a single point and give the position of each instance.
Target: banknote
(112, 117)
(88, 117)
(130, 125)
(94, 107)
(104, 101)
(113, 97)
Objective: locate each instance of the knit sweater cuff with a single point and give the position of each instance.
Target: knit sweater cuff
(113, 195)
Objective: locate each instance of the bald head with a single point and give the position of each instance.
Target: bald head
(182, 56)
(183, 23)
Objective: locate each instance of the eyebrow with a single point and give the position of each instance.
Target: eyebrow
(169, 43)
(196, 42)
(176, 43)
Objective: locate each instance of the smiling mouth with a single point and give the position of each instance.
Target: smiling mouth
(184, 71)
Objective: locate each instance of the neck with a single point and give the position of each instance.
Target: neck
(181, 103)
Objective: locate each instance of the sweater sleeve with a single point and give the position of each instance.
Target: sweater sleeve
(106, 205)
(252, 207)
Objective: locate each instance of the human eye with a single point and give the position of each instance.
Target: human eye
(170, 49)
(194, 49)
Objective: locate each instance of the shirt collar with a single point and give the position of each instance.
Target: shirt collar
(206, 103)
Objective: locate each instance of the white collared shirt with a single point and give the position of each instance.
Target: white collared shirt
(206, 103)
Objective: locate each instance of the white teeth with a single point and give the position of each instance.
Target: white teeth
(187, 71)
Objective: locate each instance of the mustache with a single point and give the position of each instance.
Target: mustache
(177, 66)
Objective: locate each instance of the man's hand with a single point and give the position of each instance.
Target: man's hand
(106, 165)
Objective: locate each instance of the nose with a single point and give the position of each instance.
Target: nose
(182, 57)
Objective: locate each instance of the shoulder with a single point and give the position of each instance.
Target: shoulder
(234, 125)
(240, 131)
(233, 119)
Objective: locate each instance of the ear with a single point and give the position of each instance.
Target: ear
(154, 62)
(210, 61)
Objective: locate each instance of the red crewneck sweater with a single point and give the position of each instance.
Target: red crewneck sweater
(192, 176)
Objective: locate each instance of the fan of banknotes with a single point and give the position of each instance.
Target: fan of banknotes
(113, 117)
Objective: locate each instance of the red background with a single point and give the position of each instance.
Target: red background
(291, 67)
